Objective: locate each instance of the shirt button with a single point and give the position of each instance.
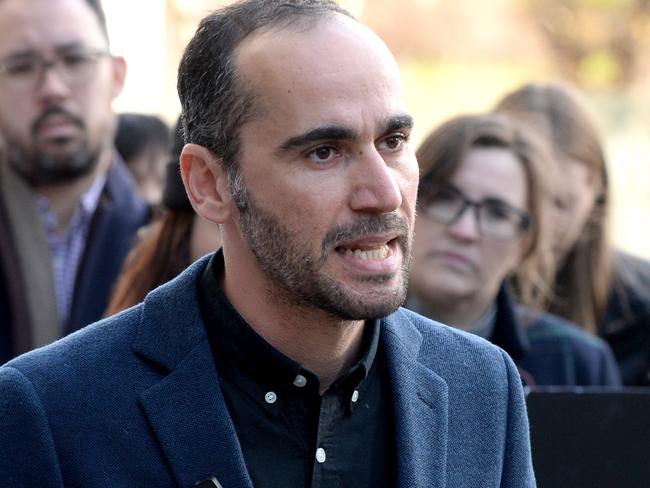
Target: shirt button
(270, 397)
(300, 381)
(355, 396)
(320, 455)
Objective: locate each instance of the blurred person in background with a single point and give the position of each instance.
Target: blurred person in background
(69, 203)
(169, 245)
(143, 142)
(480, 222)
(603, 290)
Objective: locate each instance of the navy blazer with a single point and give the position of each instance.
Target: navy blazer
(134, 401)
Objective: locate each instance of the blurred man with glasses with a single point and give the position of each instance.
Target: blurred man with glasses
(67, 202)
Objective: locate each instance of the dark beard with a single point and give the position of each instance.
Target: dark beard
(295, 271)
(40, 167)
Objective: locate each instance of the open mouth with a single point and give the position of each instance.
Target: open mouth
(367, 252)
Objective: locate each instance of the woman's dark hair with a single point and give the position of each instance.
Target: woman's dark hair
(160, 255)
(584, 278)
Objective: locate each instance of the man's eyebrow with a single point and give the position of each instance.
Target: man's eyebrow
(30, 53)
(339, 133)
(70, 46)
(326, 133)
(24, 53)
(398, 122)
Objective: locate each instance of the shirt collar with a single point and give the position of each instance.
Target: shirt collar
(238, 347)
(90, 199)
(87, 204)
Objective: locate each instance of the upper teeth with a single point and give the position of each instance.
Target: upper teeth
(376, 254)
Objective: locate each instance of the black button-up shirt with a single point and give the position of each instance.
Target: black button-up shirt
(290, 435)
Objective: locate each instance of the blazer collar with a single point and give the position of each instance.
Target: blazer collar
(420, 406)
(190, 420)
(186, 409)
(171, 325)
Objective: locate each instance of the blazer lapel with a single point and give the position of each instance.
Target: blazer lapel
(189, 417)
(186, 408)
(420, 405)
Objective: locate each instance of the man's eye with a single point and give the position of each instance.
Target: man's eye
(323, 154)
(21, 68)
(393, 142)
(74, 59)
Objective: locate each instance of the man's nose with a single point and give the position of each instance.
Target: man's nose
(52, 85)
(376, 188)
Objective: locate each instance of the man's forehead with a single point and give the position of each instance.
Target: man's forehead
(47, 24)
(336, 77)
(337, 54)
(334, 29)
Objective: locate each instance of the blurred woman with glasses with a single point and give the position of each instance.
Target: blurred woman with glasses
(603, 290)
(480, 222)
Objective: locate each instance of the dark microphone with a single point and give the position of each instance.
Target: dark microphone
(208, 483)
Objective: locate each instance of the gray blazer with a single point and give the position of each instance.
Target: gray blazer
(134, 400)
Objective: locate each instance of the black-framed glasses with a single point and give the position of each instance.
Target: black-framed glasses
(495, 218)
(24, 71)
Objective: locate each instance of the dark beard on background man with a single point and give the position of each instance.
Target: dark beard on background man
(40, 168)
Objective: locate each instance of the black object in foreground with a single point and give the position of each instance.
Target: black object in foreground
(588, 437)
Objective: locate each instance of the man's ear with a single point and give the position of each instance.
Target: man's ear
(119, 74)
(206, 183)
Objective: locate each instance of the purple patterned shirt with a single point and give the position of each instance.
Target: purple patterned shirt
(68, 249)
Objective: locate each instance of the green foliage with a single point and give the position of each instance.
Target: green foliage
(599, 68)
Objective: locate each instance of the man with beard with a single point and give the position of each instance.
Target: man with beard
(68, 204)
(282, 360)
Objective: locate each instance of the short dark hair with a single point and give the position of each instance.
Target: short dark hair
(214, 104)
(96, 6)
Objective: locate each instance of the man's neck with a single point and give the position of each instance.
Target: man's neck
(64, 198)
(321, 343)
